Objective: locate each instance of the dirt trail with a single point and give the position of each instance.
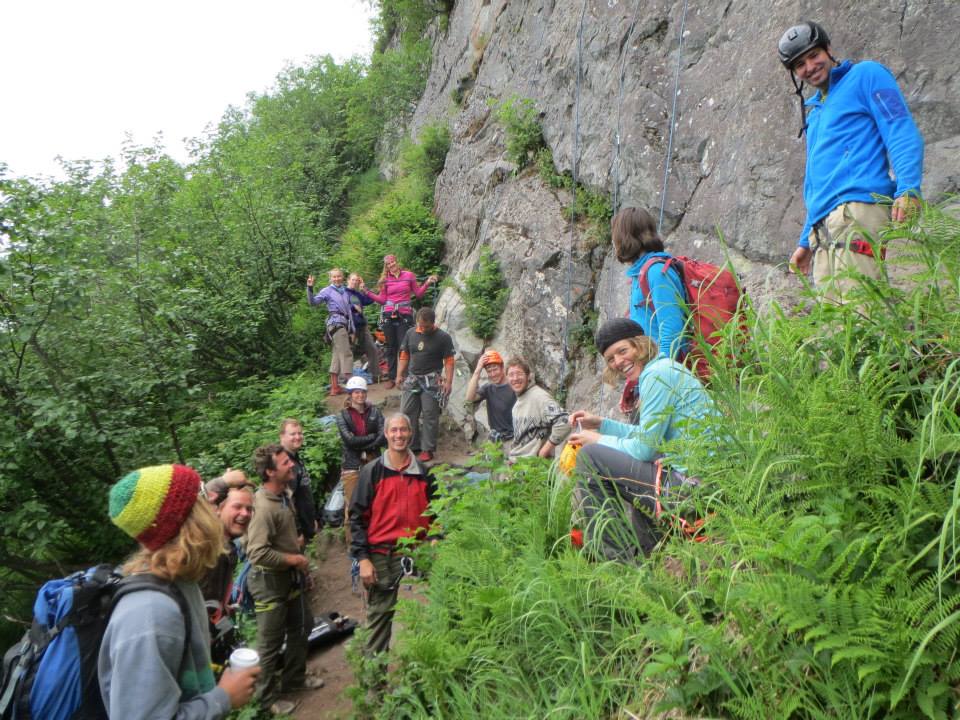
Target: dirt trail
(333, 584)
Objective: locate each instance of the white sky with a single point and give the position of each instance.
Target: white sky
(76, 76)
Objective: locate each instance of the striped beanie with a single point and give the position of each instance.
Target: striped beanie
(152, 503)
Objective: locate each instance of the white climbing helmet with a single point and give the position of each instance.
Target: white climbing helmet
(356, 383)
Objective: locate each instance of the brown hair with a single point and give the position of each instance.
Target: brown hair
(426, 315)
(264, 458)
(634, 233)
(189, 554)
(648, 351)
(517, 361)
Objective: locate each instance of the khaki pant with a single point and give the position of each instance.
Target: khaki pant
(835, 267)
(283, 613)
(341, 362)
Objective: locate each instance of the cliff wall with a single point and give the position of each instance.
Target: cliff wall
(605, 69)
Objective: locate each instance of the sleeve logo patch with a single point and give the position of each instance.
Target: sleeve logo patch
(890, 104)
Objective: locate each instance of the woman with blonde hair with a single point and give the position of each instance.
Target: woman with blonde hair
(621, 465)
(155, 657)
(395, 291)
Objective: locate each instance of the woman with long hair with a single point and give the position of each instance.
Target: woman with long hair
(395, 291)
(155, 657)
(621, 465)
(662, 312)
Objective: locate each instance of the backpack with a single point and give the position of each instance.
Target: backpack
(240, 594)
(712, 297)
(51, 674)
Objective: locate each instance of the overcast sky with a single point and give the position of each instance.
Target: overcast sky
(78, 76)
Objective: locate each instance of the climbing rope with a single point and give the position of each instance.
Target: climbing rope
(573, 207)
(615, 200)
(673, 119)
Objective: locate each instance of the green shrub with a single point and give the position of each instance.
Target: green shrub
(401, 221)
(485, 296)
(521, 124)
(594, 207)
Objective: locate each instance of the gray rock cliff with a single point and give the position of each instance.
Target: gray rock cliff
(736, 171)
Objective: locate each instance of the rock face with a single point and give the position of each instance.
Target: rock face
(735, 177)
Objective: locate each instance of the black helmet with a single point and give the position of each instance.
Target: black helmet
(798, 39)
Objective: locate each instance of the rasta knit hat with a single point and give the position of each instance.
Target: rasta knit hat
(152, 503)
(616, 329)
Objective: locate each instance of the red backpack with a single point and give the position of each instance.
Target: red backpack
(712, 297)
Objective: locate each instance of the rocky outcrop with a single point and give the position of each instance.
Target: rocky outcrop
(734, 182)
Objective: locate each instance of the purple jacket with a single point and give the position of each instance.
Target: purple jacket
(338, 306)
(397, 291)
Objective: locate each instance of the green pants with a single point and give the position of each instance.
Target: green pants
(382, 601)
(283, 613)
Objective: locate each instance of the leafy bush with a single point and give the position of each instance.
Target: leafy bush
(401, 221)
(828, 583)
(595, 207)
(485, 296)
(521, 123)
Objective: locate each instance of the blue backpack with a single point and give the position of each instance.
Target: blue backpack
(51, 674)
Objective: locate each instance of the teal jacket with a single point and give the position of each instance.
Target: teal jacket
(671, 398)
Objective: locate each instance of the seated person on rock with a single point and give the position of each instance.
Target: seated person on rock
(619, 464)
(498, 395)
(539, 423)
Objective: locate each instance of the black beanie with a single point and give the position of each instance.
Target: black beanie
(619, 328)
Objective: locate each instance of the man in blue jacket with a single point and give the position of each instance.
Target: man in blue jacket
(859, 132)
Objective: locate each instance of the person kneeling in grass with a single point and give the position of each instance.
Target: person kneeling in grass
(620, 464)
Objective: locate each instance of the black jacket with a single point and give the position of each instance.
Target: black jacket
(354, 445)
(303, 499)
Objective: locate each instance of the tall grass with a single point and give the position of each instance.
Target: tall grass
(828, 587)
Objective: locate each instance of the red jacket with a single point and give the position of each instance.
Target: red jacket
(389, 504)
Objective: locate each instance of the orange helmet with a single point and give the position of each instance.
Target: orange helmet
(493, 358)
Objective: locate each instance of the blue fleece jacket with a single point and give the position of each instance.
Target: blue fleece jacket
(663, 320)
(855, 136)
(671, 398)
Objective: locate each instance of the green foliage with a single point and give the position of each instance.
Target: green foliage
(828, 584)
(521, 122)
(401, 221)
(485, 296)
(592, 206)
(407, 20)
(583, 334)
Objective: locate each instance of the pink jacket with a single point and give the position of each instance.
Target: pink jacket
(397, 292)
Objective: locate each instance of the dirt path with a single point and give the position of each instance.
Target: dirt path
(333, 584)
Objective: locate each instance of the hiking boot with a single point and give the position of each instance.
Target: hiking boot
(335, 388)
(283, 707)
(425, 456)
(309, 683)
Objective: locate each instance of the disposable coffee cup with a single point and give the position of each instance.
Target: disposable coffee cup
(244, 658)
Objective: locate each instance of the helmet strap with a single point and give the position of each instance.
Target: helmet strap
(803, 110)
